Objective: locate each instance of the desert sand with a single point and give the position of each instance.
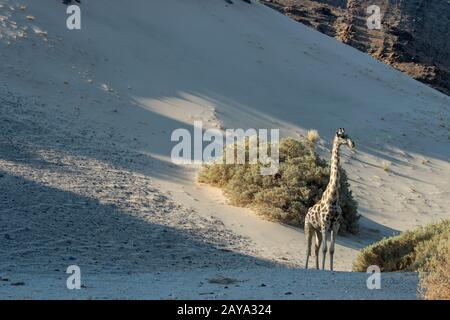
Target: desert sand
(85, 171)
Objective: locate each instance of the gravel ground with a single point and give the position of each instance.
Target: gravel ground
(244, 283)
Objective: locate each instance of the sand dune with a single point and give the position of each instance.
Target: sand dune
(86, 118)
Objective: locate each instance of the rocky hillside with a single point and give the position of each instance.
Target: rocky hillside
(413, 38)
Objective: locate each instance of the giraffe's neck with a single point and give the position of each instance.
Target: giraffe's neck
(331, 193)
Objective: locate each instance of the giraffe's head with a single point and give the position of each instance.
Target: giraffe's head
(343, 138)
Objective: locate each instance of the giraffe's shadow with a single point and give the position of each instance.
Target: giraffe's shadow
(370, 231)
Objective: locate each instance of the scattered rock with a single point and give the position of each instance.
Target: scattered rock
(222, 280)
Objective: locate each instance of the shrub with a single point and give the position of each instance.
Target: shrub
(435, 280)
(286, 196)
(426, 250)
(408, 251)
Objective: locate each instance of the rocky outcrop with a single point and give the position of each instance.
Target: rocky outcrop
(413, 38)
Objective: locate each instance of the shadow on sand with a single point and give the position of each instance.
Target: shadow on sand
(45, 229)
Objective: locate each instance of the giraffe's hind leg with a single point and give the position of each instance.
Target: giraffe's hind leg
(317, 247)
(334, 231)
(308, 236)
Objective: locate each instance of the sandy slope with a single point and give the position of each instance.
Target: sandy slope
(87, 117)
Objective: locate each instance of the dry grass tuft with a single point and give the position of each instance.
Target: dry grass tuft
(313, 136)
(435, 281)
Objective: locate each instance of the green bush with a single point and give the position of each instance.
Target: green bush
(286, 196)
(409, 251)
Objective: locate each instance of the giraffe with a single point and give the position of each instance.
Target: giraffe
(326, 214)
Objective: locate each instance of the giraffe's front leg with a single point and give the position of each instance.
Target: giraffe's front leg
(324, 246)
(334, 231)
